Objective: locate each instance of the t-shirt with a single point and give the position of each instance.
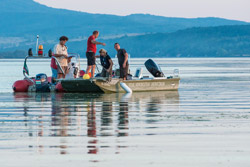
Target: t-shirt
(105, 61)
(61, 50)
(91, 47)
(121, 56)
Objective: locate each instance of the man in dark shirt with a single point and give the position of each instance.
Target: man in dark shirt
(91, 51)
(106, 63)
(122, 56)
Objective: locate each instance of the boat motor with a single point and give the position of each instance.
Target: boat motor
(30, 53)
(42, 83)
(153, 68)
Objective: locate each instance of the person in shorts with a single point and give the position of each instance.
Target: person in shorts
(91, 51)
(122, 56)
(106, 63)
(61, 54)
(53, 70)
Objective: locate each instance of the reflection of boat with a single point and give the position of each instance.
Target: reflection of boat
(167, 96)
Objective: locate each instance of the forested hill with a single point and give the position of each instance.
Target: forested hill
(22, 20)
(26, 18)
(223, 41)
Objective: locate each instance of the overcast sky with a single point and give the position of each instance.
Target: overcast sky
(230, 9)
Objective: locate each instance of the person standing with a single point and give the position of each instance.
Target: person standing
(122, 56)
(54, 69)
(61, 54)
(106, 63)
(91, 51)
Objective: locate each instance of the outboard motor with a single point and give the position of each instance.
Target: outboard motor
(30, 53)
(42, 83)
(153, 68)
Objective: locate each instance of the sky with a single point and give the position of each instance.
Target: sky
(230, 9)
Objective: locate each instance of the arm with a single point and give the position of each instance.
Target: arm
(97, 56)
(125, 60)
(111, 65)
(98, 43)
(60, 55)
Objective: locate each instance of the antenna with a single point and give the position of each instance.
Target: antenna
(37, 39)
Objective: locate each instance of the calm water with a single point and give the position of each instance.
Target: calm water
(205, 123)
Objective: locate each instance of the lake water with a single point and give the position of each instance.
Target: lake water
(205, 123)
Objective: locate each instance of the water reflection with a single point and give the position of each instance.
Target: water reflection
(91, 109)
(123, 119)
(106, 119)
(92, 116)
(60, 120)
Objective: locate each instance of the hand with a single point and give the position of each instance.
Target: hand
(103, 44)
(124, 65)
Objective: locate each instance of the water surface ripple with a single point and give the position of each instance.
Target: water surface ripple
(205, 123)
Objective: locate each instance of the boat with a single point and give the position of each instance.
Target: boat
(41, 82)
(137, 83)
(76, 83)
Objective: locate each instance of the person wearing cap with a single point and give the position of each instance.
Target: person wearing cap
(106, 63)
(61, 54)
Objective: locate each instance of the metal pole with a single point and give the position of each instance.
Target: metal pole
(37, 39)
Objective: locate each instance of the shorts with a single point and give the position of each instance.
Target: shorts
(64, 68)
(91, 58)
(54, 73)
(123, 72)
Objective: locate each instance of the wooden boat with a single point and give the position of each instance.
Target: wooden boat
(114, 86)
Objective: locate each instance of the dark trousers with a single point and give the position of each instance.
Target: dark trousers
(124, 71)
(106, 74)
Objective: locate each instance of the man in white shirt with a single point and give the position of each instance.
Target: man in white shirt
(61, 54)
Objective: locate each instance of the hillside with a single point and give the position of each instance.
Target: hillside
(222, 41)
(26, 18)
(22, 20)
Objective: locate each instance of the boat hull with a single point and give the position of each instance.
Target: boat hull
(79, 86)
(100, 85)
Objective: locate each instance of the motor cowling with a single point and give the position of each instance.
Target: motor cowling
(153, 68)
(42, 83)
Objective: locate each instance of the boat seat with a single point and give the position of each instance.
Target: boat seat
(138, 73)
